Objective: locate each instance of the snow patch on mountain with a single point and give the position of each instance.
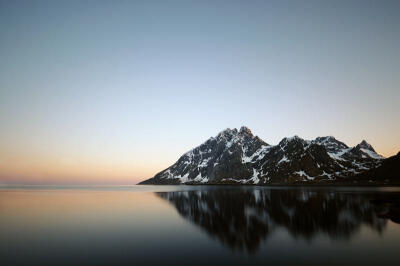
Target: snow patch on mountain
(255, 178)
(257, 155)
(200, 179)
(372, 154)
(337, 155)
(302, 173)
(283, 160)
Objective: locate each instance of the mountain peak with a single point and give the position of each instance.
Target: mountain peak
(227, 131)
(325, 138)
(289, 139)
(365, 145)
(245, 130)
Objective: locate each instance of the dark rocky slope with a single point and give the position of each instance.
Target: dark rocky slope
(387, 173)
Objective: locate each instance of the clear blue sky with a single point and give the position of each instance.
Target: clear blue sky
(115, 91)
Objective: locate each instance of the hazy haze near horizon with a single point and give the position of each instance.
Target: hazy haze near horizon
(111, 92)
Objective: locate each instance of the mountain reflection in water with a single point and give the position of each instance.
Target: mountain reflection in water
(242, 218)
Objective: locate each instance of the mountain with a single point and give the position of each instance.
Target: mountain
(387, 172)
(238, 156)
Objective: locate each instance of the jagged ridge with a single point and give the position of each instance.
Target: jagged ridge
(237, 156)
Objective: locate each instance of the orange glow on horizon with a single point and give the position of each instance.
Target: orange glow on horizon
(29, 166)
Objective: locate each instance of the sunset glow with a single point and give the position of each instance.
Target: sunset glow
(113, 94)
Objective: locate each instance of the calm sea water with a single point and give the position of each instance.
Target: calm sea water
(199, 225)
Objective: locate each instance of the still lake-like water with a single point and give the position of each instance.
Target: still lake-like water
(199, 225)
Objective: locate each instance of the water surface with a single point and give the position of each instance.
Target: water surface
(199, 225)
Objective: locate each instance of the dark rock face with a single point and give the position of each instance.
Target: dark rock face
(237, 156)
(387, 172)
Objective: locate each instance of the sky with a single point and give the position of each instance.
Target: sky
(112, 92)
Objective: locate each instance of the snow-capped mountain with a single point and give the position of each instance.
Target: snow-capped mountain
(237, 156)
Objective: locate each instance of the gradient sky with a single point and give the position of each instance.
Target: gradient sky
(103, 92)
